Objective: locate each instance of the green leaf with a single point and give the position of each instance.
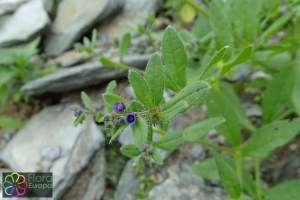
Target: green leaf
(140, 87)
(271, 136)
(242, 57)
(197, 131)
(235, 102)
(106, 62)
(4, 94)
(175, 60)
(220, 24)
(218, 105)
(110, 100)
(140, 132)
(125, 45)
(86, 42)
(170, 141)
(206, 168)
(279, 23)
(136, 106)
(228, 177)
(79, 119)
(296, 89)
(201, 26)
(111, 87)
(5, 75)
(192, 94)
(154, 76)
(285, 191)
(116, 132)
(130, 150)
(99, 117)
(276, 96)
(157, 158)
(87, 101)
(246, 16)
(216, 58)
(10, 123)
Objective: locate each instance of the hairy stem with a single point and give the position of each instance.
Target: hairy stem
(257, 179)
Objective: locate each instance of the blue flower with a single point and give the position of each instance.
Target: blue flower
(77, 111)
(118, 107)
(130, 118)
(144, 149)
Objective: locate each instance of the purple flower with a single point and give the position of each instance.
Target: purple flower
(150, 152)
(144, 149)
(118, 107)
(130, 118)
(77, 111)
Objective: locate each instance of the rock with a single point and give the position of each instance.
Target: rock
(134, 13)
(243, 73)
(69, 58)
(252, 109)
(8, 6)
(187, 187)
(29, 20)
(80, 76)
(74, 18)
(128, 184)
(50, 142)
(90, 183)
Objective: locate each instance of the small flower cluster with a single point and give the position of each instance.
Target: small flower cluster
(77, 112)
(120, 117)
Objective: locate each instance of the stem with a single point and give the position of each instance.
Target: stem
(257, 179)
(238, 163)
(216, 147)
(126, 67)
(196, 7)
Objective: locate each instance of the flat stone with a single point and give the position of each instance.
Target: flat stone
(133, 13)
(74, 18)
(69, 58)
(90, 183)
(29, 20)
(50, 142)
(187, 187)
(80, 76)
(128, 184)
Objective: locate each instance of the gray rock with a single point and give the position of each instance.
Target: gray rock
(187, 187)
(252, 109)
(128, 184)
(7, 6)
(291, 170)
(134, 12)
(90, 183)
(74, 18)
(69, 58)
(243, 72)
(29, 20)
(80, 76)
(50, 142)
